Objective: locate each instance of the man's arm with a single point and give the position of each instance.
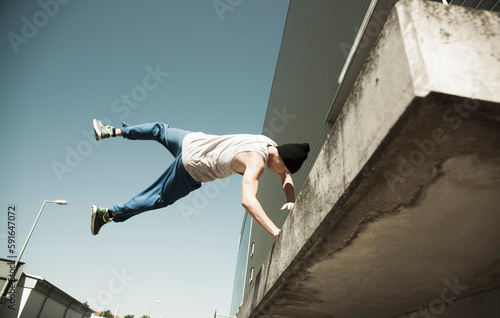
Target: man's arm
(288, 188)
(254, 167)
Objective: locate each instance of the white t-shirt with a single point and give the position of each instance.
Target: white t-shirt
(208, 157)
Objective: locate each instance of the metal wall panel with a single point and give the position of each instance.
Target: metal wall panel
(241, 263)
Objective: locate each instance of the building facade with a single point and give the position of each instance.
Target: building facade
(324, 48)
(33, 296)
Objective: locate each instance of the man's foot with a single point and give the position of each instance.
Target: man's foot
(98, 218)
(102, 131)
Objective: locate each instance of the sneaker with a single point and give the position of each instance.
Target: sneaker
(98, 218)
(102, 131)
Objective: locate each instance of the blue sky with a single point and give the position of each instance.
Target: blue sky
(180, 62)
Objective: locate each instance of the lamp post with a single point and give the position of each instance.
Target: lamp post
(118, 307)
(13, 274)
(154, 301)
(221, 316)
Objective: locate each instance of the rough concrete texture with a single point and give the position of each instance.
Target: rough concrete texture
(465, 35)
(400, 215)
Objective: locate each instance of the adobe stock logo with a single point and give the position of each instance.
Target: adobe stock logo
(48, 9)
(116, 284)
(223, 6)
(452, 120)
(139, 93)
(438, 305)
(123, 105)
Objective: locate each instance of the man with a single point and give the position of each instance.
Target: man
(202, 158)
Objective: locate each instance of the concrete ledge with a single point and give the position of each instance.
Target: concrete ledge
(402, 202)
(451, 50)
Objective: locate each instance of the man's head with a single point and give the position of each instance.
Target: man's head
(293, 155)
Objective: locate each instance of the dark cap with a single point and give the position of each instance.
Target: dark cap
(293, 155)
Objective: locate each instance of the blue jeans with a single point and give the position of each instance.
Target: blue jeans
(175, 182)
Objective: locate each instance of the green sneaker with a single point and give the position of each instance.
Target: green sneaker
(102, 131)
(98, 218)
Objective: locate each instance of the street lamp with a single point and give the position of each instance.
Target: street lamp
(117, 307)
(155, 301)
(13, 274)
(220, 316)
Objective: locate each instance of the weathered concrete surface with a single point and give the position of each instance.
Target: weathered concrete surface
(401, 212)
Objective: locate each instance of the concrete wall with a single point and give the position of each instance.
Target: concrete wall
(401, 210)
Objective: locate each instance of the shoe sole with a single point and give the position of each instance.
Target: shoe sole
(92, 219)
(97, 131)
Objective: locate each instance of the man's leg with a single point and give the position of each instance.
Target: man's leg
(170, 138)
(174, 184)
(149, 199)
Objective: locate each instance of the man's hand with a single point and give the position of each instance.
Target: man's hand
(277, 233)
(288, 206)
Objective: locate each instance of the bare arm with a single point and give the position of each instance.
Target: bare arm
(249, 187)
(288, 188)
